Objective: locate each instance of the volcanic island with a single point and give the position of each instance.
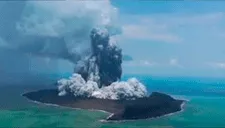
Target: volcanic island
(96, 85)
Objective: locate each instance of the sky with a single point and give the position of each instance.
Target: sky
(177, 38)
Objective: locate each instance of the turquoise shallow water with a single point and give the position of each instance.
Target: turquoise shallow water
(204, 109)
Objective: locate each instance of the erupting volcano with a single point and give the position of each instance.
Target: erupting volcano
(96, 85)
(99, 74)
(84, 34)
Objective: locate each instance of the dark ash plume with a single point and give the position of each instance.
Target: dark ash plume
(99, 74)
(104, 64)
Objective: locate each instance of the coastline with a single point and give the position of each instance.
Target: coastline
(169, 114)
(180, 97)
(111, 114)
(60, 106)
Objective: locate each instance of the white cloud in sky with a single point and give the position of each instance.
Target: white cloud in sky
(175, 63)
(60, 18)
(140, 63)
(166, 27)
(2, 42)
(196, 34)
(148, 33)
(165, 19)
(200, 19)
(217, 65)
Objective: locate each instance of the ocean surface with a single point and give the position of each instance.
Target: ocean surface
(205, 107)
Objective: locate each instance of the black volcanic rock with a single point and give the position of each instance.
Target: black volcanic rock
(157, 104)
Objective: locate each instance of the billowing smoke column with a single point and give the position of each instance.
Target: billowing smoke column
(104, 64)
(78, 31)
(99, 75)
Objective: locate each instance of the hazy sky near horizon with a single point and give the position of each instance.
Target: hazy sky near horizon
(173, 38)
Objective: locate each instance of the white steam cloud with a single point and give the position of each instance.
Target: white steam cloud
(117, 90)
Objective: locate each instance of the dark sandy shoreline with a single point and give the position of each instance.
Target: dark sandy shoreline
(154, 106)
(169, 114)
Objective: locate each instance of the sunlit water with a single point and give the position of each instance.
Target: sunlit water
(204, 109)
